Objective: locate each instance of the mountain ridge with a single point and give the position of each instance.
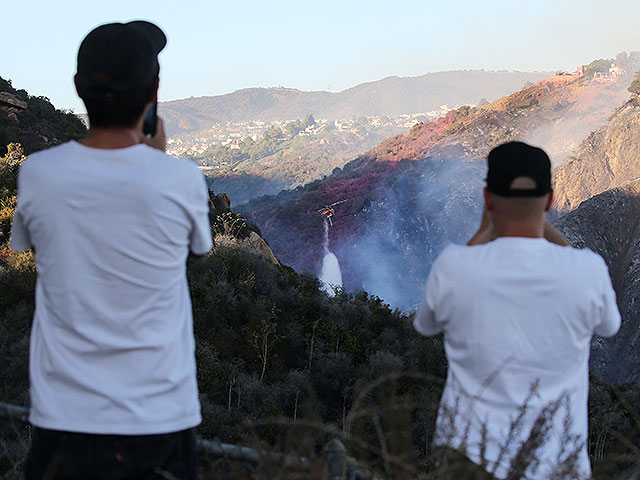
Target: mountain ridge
(403, 95)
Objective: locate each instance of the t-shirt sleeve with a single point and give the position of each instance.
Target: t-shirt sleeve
(609, 314)
(20, 240)
(200, 241)
(427, 321)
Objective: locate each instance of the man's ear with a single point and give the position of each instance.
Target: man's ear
(75, 82)
(487, 200)
(549, 201)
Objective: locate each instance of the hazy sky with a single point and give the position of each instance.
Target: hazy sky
(217, 47)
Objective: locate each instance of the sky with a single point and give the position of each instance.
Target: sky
(216, 47)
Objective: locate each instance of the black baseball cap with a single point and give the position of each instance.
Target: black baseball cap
(118, 57)
(517, 159)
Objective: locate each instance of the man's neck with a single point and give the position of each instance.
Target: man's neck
(520, 229)
(111, 138)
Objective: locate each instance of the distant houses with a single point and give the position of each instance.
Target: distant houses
(231, 134)
(614, 71)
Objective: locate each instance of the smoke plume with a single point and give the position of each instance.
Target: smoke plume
(432, 203)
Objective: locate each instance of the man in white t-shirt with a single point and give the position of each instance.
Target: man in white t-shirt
(518, 313)
(112, 219)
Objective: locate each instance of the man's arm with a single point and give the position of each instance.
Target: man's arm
(426, 321)
(20, 237)
(609, 313)
(486, 232)
(554, 236)
(200, 241)
(20, 240)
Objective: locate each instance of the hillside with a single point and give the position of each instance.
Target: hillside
(281, 160)
(389, 96)
(411, 195)
(556, 114)
(609, 224)
(607, 158)
(34, 121)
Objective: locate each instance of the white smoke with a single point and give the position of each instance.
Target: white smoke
(330, 274)
(430, 204)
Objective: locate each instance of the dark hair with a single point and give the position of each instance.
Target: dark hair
(109, 109)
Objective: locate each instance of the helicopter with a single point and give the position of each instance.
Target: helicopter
(328, 211)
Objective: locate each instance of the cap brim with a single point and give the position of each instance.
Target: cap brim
(156, 36)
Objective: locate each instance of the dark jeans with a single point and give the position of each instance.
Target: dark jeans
(68, 455)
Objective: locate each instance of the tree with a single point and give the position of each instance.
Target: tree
(622, 60)
(310, 341)
(234, 369)
(635, 85)
(599, 65)
(264, 338)
(9, 166)
(309, 120)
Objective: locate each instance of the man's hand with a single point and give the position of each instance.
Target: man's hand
(159, 140)
(486, 232)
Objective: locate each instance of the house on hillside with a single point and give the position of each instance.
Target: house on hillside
(615, 71)
(604, 77)
(580, 70)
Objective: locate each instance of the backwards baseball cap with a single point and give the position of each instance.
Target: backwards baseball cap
(516, 159)
(117, 57)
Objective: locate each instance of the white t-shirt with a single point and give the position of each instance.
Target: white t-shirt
(112, 347)
(518, 315)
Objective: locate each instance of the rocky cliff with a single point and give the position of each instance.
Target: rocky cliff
(607, 158)
(609, 224)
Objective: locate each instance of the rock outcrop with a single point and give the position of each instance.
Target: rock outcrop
(607, 158)
(10, 100)
(11, 106)
(33, 121)
(231, 230)
(253, 243)
(609, 224)
(220, 203)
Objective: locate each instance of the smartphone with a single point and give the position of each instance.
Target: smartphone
(150, 124)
